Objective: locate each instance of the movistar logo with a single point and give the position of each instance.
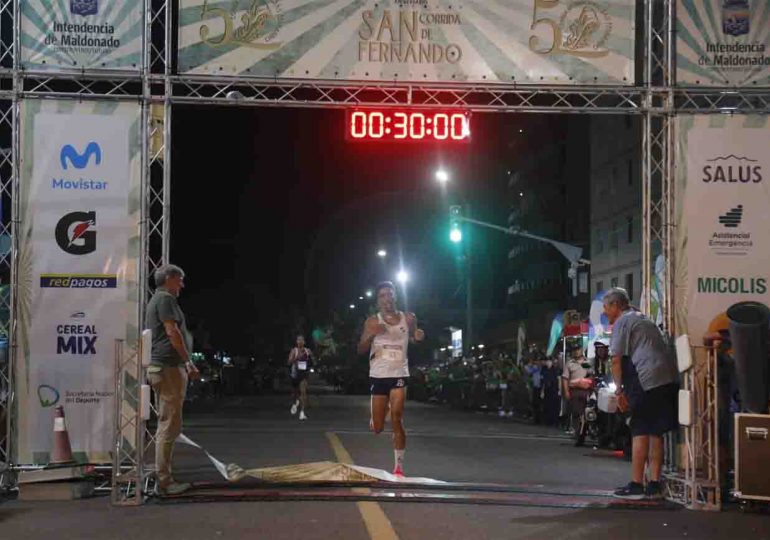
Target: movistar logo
(80, 160)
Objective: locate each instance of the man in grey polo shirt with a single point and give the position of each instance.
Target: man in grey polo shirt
(169, 369)
(647, 379)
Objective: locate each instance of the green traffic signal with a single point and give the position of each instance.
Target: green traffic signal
(455, 232)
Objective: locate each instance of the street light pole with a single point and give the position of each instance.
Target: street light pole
(572, 253)
(468, 291)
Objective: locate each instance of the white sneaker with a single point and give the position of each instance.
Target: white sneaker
(302, 415)
(294, 408)
(501, 414)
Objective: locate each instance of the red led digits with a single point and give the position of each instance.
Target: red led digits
(460, 129)
(376, 125)
(358, 125)
(441, 126)
(407, 125)
(401, 125)
(417, 126)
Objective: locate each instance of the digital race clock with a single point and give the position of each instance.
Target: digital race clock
(407, 125)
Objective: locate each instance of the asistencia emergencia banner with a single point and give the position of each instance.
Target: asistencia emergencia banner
(722, 195)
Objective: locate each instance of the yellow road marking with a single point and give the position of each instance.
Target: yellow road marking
(377, 523)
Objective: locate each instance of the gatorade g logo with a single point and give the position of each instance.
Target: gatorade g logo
(76, 234)
(78, 160)
(48, 395)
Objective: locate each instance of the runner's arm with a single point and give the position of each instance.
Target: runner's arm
(415, 334)
(367, 336)
(292, 356)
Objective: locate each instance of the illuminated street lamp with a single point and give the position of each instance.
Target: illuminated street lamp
(402, 276)
(442, 176)
(369, 294)
(352, 306)
(382, 254)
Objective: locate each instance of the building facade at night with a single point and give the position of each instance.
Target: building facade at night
(549, 194)
(616, 203)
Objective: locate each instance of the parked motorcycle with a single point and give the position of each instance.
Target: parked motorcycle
(601, 421)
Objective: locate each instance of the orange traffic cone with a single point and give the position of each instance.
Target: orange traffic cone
(62, 451)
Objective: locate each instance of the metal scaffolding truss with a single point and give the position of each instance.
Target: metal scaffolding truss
(698, 484)
(492, 98)
(158, 90)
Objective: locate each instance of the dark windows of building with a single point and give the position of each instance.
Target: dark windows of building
(599, 286)
(630, 230)
(614, 233)
(630, 285)
(614, 282)
(630, 172)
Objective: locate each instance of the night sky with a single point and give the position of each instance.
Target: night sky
(275, 215)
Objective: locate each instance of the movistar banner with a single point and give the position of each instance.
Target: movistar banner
(510, 41)
(78, 269)
(723, 204)
(723, 43)
(82, 34)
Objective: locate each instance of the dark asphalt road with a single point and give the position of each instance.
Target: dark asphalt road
(443, 444)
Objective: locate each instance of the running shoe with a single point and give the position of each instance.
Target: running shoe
(398, 471)
(654, 491)
(632, 491)
(294, 408)
(302, 415)
(174, 488)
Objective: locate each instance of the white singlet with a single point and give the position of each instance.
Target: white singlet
(387, 358)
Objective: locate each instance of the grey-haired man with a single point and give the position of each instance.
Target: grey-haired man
(169, 369)
(647, 380)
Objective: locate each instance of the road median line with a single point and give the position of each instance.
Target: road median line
(377, 523)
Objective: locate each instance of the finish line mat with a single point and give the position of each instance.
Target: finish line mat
(321, 471)
(331, 481)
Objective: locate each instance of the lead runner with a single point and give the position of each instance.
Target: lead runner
(386, 337)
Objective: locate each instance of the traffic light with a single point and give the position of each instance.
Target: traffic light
(455, 217)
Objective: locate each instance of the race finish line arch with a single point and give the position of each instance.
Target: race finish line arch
(366, 54)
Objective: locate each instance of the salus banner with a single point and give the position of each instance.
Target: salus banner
(722, 196)
(504, 41)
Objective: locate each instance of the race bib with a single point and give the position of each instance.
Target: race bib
(302, 365)
(393, 353)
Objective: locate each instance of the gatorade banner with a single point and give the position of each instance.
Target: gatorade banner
(723, 43)
(722, 196)
(503, 41)
(82, 34)
(78, 269)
